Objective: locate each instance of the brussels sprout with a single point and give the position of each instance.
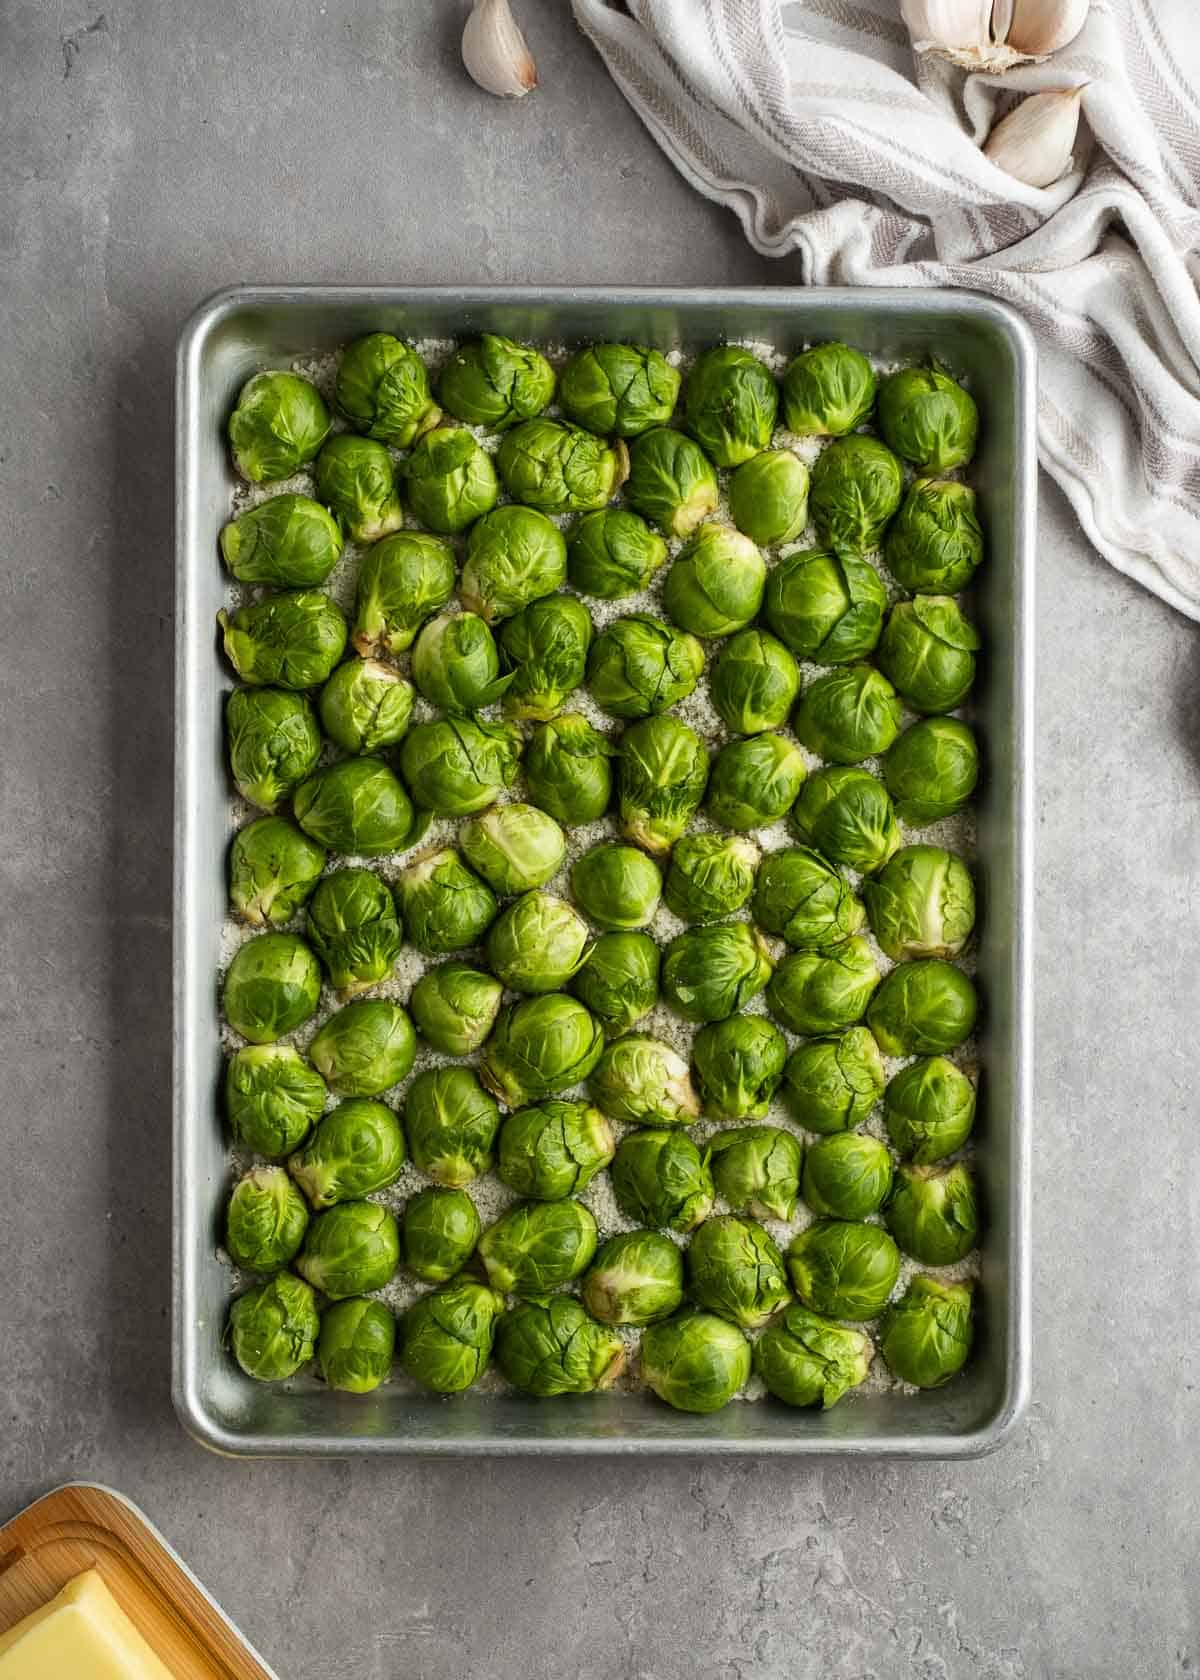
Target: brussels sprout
(926, 1335)
(848, 715)
(535, 1246)
(929, 1109)
(921, 904)
(455, 1007)
(753, 682)
(445, 907)
(546, 645)
(401, 582)
(730, 403)
(551, 1346)
(289, 542)
(827, 391)
(274, 743)
(923, 1008)
(928, 418)
(495, 383)
(695, 1361)
(847, 1175)
(540, 1046)
(359, 807)
(355, 479)
(935, 541)
(618, 389)
(927, 652)
(833, 1083)
(383, 390)
(613, 552)
(636, 1278)
(711, 875)
(803, 899)
(350, 1249)
(273, 1329)
(844, 1268)
(932, 1213)
(757, 1170)
(660, 1178)
(847, 815)
(366, 706)
(619, 981)
(712, 971)
(639, 666)
(567, 770)
(671, 481)
(739, 1062)
(272, 1098)
(265, 1221)
(617, 887)
(455, 663)
(931, 770)
(446, 1337)
(451, 480)
(440, 1229)
(277, 426)
(272, 870)
(356, 1344)
(755, 781)
(272, 986)
(365, 1048)
(715, 583)
(554, 1149)
(662, 773)
(558, 468)
(457, 766)
(292, 639)
(856, 488)
(825, 607)
(821, 992)
(352, 927)
(736, 1270)
(804, 1359)
(514, 847)
(768, 497)
(537, 943)
(642, 1080)
(452, 1124)
(514, 556)
(356, 1148)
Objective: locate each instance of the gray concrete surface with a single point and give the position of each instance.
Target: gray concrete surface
(150, 153)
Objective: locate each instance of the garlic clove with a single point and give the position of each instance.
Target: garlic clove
(1035, 28)
(494, 51)
(1034, 142)
(960, 30)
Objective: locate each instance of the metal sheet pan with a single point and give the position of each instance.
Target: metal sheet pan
(247, 328)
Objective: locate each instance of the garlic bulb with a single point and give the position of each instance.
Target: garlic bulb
(1036, 28)
(948, 26)
(1034, 142)
(495, 53)
(993, 34)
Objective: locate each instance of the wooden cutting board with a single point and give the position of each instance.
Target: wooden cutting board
(83, 1526)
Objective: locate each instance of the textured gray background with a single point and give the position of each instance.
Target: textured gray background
(149, 154)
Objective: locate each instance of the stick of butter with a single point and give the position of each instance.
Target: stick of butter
(82, 1634)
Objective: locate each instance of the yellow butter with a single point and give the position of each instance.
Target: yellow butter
(83, 1634)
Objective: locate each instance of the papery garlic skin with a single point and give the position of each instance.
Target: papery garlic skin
(1034, 142)
(494, 51)
(993, 34)
(1036, 28)
(948, 26)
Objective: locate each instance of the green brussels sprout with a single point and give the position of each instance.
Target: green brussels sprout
(639, 666)
(537, 943)
(619, 981)
(847, 815)
(554, 1149)
(272, 870)
(356, 1148)
(402, 581)
(921, 904)
(446, 1337)
(350, 1249)
(455, 663)
(931, 770)
(617, 887)
(539, 1047)
(546, 645)
(274, 743)
(736, 1270)
(804, 1359)
(711, 875)
(495, 383)
(613, 552)
(660, 1178)
(352, 926)
(844, 1268)
(695, 1361)
(757, 1170)
(805, 901)
(822, 992)
(272, 1098)
(713, 970)
(558, 468)
(833, 1083)
(926, 1335)
(715, 583)
(856, 488)
(265, 1221)
(444, 905)
(753, 682)
(827, 391)
(662, 772)
(618, 389)
(929, 1109)
(273, 1329)
(927, 652)
(738, 1062)
(440, 1230)
(455, 1007)
(551, 1346)
(825, 607)
(383, 390)
(730, 404)
(452, 1124)
(272, 986)
(457, 766)
(359, 807)
(935, 542)
(768, 497)
(356, 1344)
(643, 1081)
(923, 1008)
(928, 418)
(567, 770)
(848, 715)
(671, 481)
(366, 706)
(289, 542)
(932, 1213)
(451, 480)
(292, 640)
(365, 1048)
(355, 479)
(847, 1175)
(277, 425)
(535, 1246)
(514, 847)
(755, 781)
(636, 1278)
(515, 555)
